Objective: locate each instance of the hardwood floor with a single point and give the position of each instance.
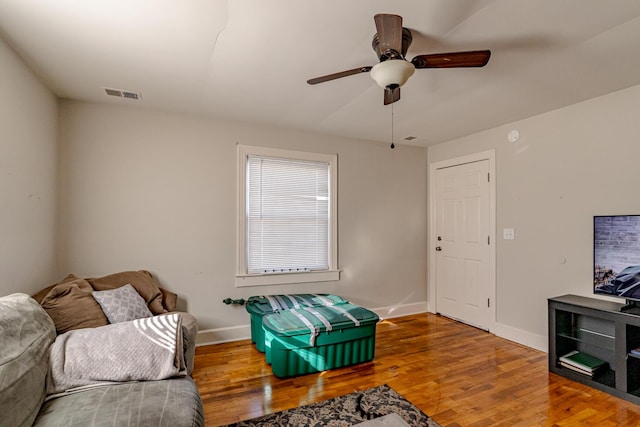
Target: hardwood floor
(458, 375)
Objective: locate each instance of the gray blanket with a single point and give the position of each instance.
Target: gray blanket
(140, 350)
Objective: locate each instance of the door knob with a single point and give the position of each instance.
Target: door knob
(438, 248)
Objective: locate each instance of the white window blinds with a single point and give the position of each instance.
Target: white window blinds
(287, 215)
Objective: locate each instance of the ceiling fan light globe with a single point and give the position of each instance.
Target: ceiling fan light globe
(392, 72)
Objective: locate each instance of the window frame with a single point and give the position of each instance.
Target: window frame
(243, 278)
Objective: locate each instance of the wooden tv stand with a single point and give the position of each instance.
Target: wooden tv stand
(597, 328)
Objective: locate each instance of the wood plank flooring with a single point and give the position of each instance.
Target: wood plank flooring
(458, 375)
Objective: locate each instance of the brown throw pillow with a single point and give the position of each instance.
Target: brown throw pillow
(141, 280)
(169, 299)
(38, 296)
(71, 305)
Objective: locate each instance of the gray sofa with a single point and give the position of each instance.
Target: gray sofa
(28, 333)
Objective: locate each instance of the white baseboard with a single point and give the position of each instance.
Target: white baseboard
(538, 342)
(220, 335)
(243, 332)
(401, 310)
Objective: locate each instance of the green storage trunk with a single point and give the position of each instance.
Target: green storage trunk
(313, 339)
(258, 306)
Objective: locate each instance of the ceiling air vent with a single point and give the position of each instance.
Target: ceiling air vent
(123, 93)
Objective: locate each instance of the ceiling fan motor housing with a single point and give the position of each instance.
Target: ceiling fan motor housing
(407, 38)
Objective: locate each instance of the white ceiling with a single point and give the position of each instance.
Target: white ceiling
(249, 60)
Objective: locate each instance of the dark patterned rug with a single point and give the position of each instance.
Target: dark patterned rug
(345, 411)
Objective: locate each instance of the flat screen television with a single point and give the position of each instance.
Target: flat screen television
(616, 258)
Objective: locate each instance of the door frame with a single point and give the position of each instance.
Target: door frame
(431, 238)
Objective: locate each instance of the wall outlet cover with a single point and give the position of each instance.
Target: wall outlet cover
(508, 234)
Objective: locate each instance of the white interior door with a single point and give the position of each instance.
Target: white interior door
(463, 252)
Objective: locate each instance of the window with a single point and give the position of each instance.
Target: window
(287, 231)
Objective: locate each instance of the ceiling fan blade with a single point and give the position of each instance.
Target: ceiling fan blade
(341, 74)
(389, 32)
(391, 95)
(473, 58)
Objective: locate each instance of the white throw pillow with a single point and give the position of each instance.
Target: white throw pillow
(122, 304)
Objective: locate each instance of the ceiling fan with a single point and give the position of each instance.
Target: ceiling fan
(390, 44)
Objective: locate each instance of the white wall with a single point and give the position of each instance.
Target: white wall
(142, 189)
(153, 190)
(28, 167)
(567, 166)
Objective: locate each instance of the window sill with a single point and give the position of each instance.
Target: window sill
(287, 278)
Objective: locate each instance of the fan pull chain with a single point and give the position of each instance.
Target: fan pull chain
(392, 144)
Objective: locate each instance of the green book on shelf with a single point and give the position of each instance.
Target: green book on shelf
(583, 361)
